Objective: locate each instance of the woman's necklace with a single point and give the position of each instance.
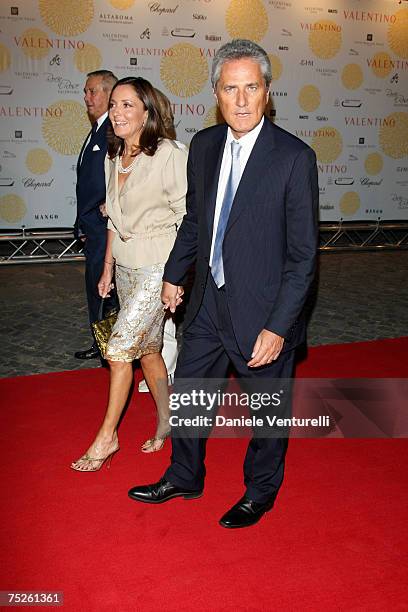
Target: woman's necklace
(128, 169)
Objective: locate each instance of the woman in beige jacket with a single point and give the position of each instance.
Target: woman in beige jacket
(145, 198)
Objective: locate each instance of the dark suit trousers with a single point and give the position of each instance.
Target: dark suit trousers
(94, 250)
(209, 347)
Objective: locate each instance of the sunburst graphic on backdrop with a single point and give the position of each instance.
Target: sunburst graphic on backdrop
(67, 17)
(352, 76)
(277, 67)
(309, 98)
(87, 59)
(381, 64)
(184, 70)
(373, 163)
(247, 19)
(398, 34)
(349, 203)
(12, 208)
(122, 5)
(327, 144)
(66, 133)
(33, 36)
(5, 58)
(38, 161)
(213, 117)
(325, 40)
(394, 138)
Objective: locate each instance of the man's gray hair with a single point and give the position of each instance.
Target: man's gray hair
(237, 49)
(108, 78)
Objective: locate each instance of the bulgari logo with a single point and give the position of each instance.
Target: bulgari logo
(156, 7)
(368, 16)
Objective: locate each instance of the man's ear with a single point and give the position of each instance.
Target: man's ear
(215, 96)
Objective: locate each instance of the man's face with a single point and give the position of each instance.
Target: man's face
(241, 95)
(96, 98)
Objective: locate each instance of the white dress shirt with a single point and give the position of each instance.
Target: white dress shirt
(247, 144)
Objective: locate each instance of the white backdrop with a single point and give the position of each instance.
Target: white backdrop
(340, 84)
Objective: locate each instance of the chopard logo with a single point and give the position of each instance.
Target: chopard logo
(156, 7)
(30, 182)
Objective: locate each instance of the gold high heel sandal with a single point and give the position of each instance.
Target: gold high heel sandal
(150, 447)
(108, 459)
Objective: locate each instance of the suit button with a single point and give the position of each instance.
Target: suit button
(206, 259)
(202, 285)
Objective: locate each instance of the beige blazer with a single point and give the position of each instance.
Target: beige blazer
(146, 212)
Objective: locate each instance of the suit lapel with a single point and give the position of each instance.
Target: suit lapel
(82, 152)
(253, 173)
(97, 138)
(213, 159)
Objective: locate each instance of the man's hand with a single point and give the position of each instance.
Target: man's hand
(171, 296)
(267, 348)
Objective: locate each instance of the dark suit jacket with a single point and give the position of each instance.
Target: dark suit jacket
(270, 244)
(90, 187)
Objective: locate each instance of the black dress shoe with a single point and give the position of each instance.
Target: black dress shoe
(160, 492)
(91, 353)
(245, 513)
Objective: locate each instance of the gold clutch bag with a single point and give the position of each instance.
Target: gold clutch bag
(102, 330)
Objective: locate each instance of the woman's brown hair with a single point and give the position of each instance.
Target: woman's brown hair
(154, 129)
(166, 113)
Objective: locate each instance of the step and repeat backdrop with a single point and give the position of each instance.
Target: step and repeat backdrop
(340, 84)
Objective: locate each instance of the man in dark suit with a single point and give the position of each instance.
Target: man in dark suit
(251, 229)
(91, 221)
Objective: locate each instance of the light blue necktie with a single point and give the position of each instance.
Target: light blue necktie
(217, 266)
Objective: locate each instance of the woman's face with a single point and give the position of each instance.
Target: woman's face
(127, 113)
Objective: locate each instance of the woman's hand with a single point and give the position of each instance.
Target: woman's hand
(105, 282)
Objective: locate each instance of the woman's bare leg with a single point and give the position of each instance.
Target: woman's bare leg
(155, 374)
(106, 441)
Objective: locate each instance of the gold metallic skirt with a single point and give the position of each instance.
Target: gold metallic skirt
(138, 330)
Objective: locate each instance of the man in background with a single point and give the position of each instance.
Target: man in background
(91, 221)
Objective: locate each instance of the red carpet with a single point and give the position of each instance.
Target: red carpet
(335, 540)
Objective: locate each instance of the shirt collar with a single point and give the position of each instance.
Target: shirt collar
(247, 141)
(101, 120)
